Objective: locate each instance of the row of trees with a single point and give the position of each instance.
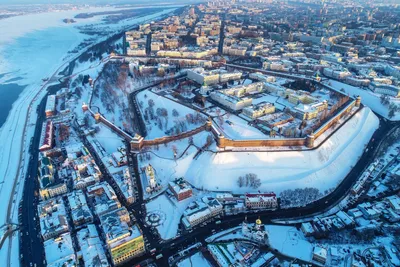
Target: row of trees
(249, 180)
(393, 108)
(299, 197)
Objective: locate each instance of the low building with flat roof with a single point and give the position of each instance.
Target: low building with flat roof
(92, 250)
(53, 218)
(60, 252)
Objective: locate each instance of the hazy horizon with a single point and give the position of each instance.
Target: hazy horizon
(91, 2)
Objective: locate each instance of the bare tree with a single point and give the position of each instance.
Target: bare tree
(241, 181)
(175, 113)
(190, 140)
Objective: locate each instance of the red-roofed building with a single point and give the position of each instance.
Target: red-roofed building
(46, 137)
(261, 201)
(180, 189)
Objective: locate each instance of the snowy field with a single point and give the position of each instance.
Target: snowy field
(289, 242)
(159, 128)
(368, 98)
(109, 140)
(279, 170)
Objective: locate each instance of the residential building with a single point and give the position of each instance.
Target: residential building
(230, 101)
(259, 110)
(60, 251)
(92, 250)
(46, 136)
(180, 189)
(320, 254)
(103, 198)
(261, 201)
(50, 105)
(80, 212)
(123, 241)
(53, 218)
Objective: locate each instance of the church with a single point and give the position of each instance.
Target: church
(256, 232)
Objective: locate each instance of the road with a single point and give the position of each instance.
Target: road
(221, 37)
(32, 246)
(170, 248)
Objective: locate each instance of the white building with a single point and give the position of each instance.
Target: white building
(200, 211)
(53, 218)
(259, 110)
(91, 246)
(320, 254)
(80, 211)
(60, 252)
(232, 102)
(103, 197)
(50, 105)
(385, 89)
(203, 77)
(255, 232)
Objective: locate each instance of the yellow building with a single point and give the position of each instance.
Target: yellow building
(124, 242)
(127, 246)
(305, 112)
(301, 97)
(53, 190)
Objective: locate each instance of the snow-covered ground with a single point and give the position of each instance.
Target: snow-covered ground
(45, 41)
(157, 128)
(368, 98)
(108, 139)
(237, 128)
(111, 96)
(195, 260)
(289, 242)
(170, 212)
(278, 171)
(162, 158)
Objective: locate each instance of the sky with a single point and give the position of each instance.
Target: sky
(14, 2)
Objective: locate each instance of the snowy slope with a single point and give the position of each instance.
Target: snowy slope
(368, 98)
(322, 168)
(153, 131)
